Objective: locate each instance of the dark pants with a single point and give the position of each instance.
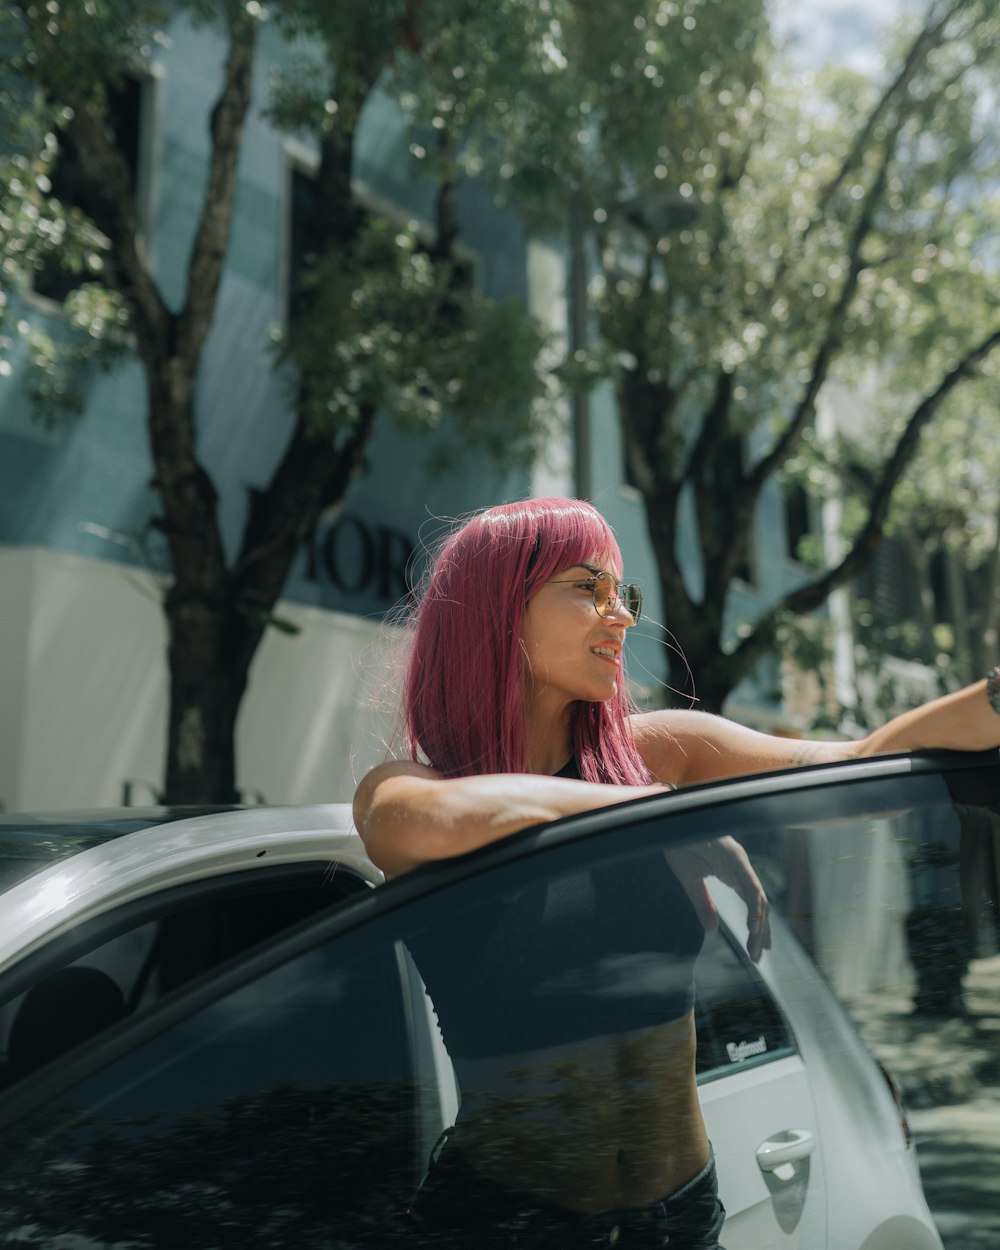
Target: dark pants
(457, 1209)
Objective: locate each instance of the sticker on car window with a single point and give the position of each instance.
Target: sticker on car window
(739, 1051)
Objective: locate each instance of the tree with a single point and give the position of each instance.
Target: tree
(820, 244)
(384, 323)
(758, 236)
(938, 600)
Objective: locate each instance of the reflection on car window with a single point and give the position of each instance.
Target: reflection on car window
(893, 900)
(894, 890)
(127, 974)
(738, 1022)
(504, 1013)
(286, 1108)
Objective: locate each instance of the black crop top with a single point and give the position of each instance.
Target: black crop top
(585, 953)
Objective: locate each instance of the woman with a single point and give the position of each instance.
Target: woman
(525, 602)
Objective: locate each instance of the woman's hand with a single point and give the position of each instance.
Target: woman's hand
(725, 859)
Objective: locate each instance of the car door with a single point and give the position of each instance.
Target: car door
(248, 1083)
(758, 1107)
(290, 1092)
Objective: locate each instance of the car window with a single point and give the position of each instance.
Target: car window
(739, 1024)
(286, 1109)
(891, 886)
(92, 982)
(335, 1069)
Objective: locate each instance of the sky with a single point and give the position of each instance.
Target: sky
(845, 31)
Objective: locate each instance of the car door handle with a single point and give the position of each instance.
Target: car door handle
(785, 1147)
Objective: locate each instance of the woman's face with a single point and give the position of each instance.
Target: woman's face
(570, 651)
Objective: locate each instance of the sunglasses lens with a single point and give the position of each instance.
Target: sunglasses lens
(604, 596)
(609, 593)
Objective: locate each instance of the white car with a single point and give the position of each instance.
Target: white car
(214, 1032)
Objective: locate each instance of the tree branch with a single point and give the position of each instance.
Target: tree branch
(715, 431)
(208, 253)
(925, 41)
(312, 477)
(111, 205)
(714, 428)
(831, 342)
(807, 598)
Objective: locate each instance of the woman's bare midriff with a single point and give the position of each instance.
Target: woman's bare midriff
(597, 1125)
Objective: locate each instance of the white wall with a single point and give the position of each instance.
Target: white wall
(83, 691)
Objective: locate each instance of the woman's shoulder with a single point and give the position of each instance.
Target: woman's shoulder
(667, 737)
(665, 725)
(389, 770)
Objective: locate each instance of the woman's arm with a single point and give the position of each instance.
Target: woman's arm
(686, 747)
(963, 721)
(408, 815)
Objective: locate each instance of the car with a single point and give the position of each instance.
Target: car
(215, 1031)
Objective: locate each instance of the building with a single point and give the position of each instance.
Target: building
(82, 675)
(82, 678)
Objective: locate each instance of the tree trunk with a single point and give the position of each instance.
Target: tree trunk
(216, 615)
(697, 666)
(206, 687)
(205, 678)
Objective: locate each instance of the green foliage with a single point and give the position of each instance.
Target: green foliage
(389, 326)
(87, 47)
(80, 47)
(94, 331)
(503, 399)
(834, 225)
(337, 53)
(38, 234)
(386, 324)
(564, 102)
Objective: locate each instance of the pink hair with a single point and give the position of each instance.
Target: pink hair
(464, 686)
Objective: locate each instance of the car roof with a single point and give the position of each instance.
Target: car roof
(107, 865)
(32, 841)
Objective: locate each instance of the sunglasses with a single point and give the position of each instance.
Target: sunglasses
(608, 593)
